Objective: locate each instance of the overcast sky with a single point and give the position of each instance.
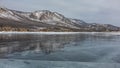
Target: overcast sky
(91, 11)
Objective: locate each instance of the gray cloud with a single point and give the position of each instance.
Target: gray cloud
(97, 11)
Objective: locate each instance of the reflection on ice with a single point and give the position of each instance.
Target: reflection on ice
(44, 43)
(64, 47)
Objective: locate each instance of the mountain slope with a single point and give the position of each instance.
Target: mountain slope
(44, 20)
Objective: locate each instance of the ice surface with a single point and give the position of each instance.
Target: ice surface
(13, 63)
(94, 50)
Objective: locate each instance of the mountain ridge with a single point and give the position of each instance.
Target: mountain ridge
(45, 20)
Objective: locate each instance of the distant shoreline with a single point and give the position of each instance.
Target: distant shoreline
(15, 32)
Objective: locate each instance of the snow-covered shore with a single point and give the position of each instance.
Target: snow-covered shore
(39, 32)
(111, 33)
(15, 63)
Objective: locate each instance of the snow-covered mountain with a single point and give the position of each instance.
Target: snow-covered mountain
(45, 20)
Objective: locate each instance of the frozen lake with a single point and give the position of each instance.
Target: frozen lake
(78, 48)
